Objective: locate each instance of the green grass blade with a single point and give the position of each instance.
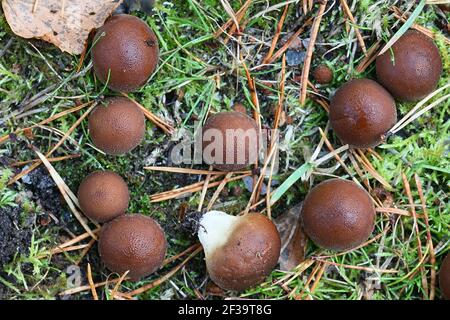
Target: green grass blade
(405, 27)
(293, 178)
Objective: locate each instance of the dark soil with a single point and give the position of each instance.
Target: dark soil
(14, 237)
(45, 192)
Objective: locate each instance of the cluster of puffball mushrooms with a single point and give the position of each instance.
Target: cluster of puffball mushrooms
(241, 250)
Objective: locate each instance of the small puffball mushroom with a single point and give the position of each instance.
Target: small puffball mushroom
(239, 107)
(125, 53)
(414, 69)
(230, 141)
(322, 74)
(133, 243)
(338, 215)
(362, 112)
(240, 251)
(444, 277)
(117, 126)
(103, 196)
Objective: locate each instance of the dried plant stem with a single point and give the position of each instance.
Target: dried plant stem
(166, 277)
(192, 171)
(166, 127)
(375, 270)
(219, 190)
(181, 254)
(91, 282)
(57, 159)
(204, 189)
(309, 52)
(286, 46)
(394, 211)
(378, 236)
(114, 292)
(56, 116)
(349, 14)
(277, 34)
(416, 228)
(35, 5)
(370, 57)
(60, 142)
(60, 184)
(415, 113)
(190, 189)
(240, 13)
(429, 238)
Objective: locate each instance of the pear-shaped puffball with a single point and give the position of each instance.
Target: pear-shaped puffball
(240, 250)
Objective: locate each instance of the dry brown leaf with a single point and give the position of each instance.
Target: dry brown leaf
(66, 24)
(293, 239)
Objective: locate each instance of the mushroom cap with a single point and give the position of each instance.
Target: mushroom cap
(239, 107)
(117, 126)
(444, 277)
(338, 215)
(249, 252)
(416, 68)
(125, 53)
(322, 74)
(133, 243)
(361, 112)
(103, 196)
(238, 129)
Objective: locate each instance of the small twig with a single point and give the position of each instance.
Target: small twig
(166, 127)
(192, 171)
(166, 277)
(240, 13)
(416, 228)
(288, 43)
(91, 282)
(349, 14)
(117, 286)
(57, 159)
(375, 270)
(204, 189)
(277, 34)
(370, 57)
(219, 190)
(48, 154)
(167, 195)
(309, 52)
(36, 3)
(429, 238)
(414, 113)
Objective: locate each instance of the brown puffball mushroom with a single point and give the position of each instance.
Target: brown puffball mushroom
(103, 196)
(338, 215)
(230, 141)
(444, 277)
(239, 107)
(362, 112)
(415, 69)
(322, 74)
(125, 53)
(117, 126)
(133, 243)
(240, 251)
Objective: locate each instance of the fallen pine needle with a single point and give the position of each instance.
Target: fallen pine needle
(91, 282)
(309, 52)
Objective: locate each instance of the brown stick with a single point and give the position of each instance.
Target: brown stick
(349, 14)
(429, 238)
(309, 52)
(277, 34)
